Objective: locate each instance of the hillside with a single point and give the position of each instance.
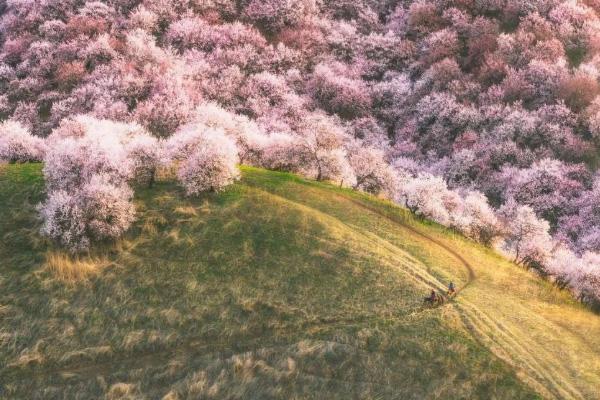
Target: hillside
(277, 288)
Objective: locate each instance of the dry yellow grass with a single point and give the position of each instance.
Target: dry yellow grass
(73, 269)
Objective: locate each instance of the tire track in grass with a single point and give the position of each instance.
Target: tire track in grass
(522, 348)
(470, 271)
(477, 322)
(417, 274)
(507, 348)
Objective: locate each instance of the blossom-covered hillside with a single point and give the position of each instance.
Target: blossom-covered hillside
(483, 115)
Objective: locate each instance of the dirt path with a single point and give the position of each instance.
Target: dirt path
(545, 381)
(455, 254)
(149, 358)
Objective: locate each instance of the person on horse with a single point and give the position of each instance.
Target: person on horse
(432, 298)
(451, 289)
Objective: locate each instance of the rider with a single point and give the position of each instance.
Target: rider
(451, 288)
(433, 296)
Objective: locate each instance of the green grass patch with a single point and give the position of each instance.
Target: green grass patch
(277, 287)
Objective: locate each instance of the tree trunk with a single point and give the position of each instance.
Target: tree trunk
(152, 178)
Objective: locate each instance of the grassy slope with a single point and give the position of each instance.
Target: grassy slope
(277, 288)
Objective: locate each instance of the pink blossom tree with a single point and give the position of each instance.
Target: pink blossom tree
(320, 144)
(184, 142)
(370, 131)
(580, 274)
(549, 187)
(98, 210)
(18, 145)
(144, 19)
(440, 120)
(281, 152)
(84, 147)
(391, 99)
(167, 108)
(587, 286)
(273, 15)
(424, 196)
(373, 174)
(478, 220)
(526, 238)
(336, 92)
(249, 138)
(269, 97)
(145, 153)
(64, 220)
(439, 45)
(592, 116)
(581, 228)
(211, 166)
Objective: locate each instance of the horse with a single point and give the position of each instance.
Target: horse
(438, 301)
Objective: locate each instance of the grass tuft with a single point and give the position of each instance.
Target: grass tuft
(73, 269)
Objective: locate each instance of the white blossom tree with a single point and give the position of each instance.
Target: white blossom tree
(424, 196)
(145, 153)
(211, 165)
(17, 144)
(98, 210)
(320, 145)
(526, 238)
(373, 173)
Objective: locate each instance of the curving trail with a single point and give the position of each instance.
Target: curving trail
(448, 249)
